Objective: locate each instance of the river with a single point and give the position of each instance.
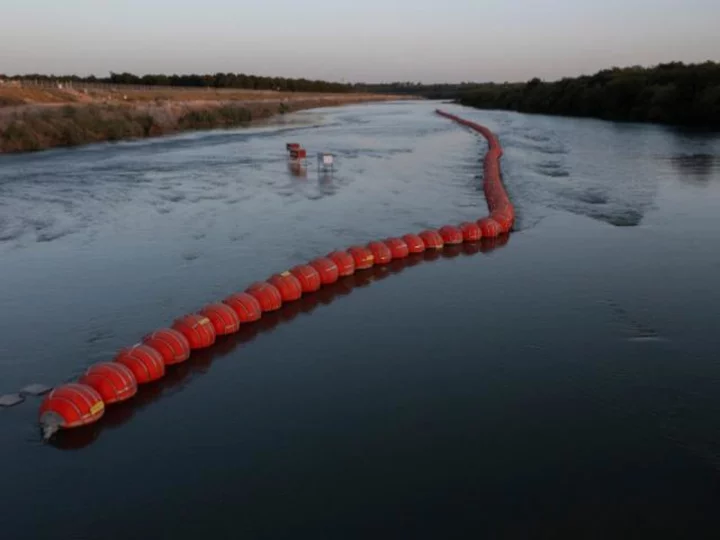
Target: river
(559, 383)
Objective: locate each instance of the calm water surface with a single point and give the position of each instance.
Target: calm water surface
(562, 384)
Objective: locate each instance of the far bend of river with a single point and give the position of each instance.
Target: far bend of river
(562, 384)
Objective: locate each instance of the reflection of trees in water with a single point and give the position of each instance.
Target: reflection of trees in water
(619, 217)
(695, 156)
(179, 376)
(622, 204)
(696, 169)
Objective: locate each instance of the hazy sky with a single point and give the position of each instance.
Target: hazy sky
(355, 40)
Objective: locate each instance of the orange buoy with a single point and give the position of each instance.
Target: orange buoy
(414, 243)
(328, 270)
(171, 344)
(362, 256)
(198, 329)
(503, 219)
(223, 318)
(344, 262)
(308, 277)
(471, 231)
(268, 296)
(381, 253)
(451, 235)
(489, 227)
(289, 286)
(246, 307)
(432, 239)
(70, 405)
(398, 248)
(112, 380)
(145, 362)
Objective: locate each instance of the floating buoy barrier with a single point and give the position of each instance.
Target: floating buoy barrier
(432, 239)
(223, 318)
(451, 235)
(198, 329)
(79, 404)
(145, 363)
(362, 257)
(246, 307)
(381, 253)
(112, 380)
(344, 261)
(267, 295)
(328, 270)
(414, 243)
(471, 231)
(504, 219)
(171, 344)
(289, 286)
(489, 227)
(182, 376)
(68, 406)
(497, 199)
(398, 248)
(309, 278)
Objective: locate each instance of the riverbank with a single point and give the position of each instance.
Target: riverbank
(38, 119)
(672, 94)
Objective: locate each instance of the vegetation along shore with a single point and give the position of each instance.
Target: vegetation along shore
(672, 93)
(41, 113)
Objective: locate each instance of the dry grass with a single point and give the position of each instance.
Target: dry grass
(13, 95)
(88, 118)
(18, 96)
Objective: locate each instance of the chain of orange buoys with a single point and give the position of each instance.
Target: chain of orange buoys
(81, 403)
(180, 376)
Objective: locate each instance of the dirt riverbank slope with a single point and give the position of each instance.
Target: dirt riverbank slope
(39, 118)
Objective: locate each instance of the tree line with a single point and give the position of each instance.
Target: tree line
(217, 80)
(671, 93)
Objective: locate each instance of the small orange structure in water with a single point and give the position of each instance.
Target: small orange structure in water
(297, 159)
(296, 151)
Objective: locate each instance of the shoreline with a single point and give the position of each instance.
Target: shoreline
(33, 127)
